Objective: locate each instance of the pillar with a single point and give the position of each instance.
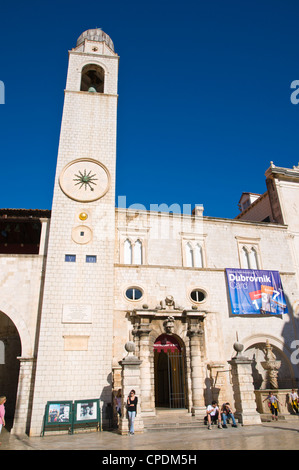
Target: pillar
(243, 390)
(148, 403)
(195, 334)
(24, 395)
(130, 380)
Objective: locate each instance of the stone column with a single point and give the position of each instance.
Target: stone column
(243, 390)
(24, 395)
(147, 392)
(130, 380)
(195, 333)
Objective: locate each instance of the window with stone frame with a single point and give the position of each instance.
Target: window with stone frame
(249, 254)
(133, 251)
(193, 254)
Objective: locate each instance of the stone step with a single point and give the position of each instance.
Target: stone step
(267, 417)
(167, 419)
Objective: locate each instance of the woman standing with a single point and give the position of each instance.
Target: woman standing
(132, 410)
(2, 413)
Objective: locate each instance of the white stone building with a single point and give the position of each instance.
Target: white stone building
(79, 282)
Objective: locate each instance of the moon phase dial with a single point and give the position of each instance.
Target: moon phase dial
(85, 180)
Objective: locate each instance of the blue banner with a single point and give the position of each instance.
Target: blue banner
(255, 292)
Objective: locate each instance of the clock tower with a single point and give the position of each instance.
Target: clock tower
(74, 354)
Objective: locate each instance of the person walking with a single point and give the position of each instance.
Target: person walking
(294, 400)
(273, 405)
(132, 410)
(2, 413)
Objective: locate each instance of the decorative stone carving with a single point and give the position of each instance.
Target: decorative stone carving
(168, 303)
(169, 325)
(238, 347)
(130, 348)
(268, 351)
(271, 365)
(195, 325)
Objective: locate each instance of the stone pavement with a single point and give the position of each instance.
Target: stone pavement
(280, 435)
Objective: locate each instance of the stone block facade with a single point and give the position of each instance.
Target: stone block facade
(105, 276)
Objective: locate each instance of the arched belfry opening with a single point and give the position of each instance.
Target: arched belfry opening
(170, 376)
(92, 78)
(10, 350)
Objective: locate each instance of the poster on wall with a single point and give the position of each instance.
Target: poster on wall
(255, 291)
(87, 411)
(59, 413)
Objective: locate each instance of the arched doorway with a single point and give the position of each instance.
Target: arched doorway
(169, 360)
(10, 349)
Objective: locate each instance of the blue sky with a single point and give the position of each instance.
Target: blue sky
(204, 96)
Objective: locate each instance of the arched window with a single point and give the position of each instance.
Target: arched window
(137, 258)
(249, 258)
(253, 261)
(127, 252)
(92, 78)
(132, 253)
(245, 258)
(198, 262)
(189, 256)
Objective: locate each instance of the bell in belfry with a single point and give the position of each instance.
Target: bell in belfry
(92, 89)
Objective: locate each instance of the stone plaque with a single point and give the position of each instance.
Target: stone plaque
(76, 313)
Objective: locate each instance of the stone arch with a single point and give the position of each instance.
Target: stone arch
(9, 365)
(21, 326)
(128, 251)
(92, 78)
(254, 349)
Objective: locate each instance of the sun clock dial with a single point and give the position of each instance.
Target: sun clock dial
(85, 180)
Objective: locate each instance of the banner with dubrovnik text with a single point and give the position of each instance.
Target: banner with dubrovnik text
(255, 291)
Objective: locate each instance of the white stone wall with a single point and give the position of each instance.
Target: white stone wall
(21, 284)
(164, 274)
(75, 347)
(76, 354)
(288, 192)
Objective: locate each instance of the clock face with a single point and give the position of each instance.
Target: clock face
(85, 180)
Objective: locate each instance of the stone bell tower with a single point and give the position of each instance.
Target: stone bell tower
(75, 342)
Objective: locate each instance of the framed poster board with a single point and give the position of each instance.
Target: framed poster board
(87, 411)
(68, 413)
(58, 414)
